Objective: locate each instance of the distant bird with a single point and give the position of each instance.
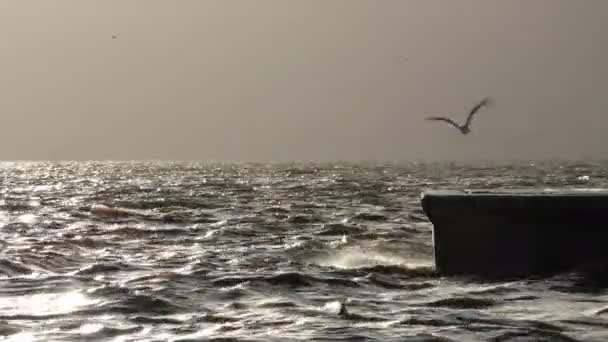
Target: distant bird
(466, 128)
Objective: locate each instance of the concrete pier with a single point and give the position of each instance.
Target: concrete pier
(517, 232)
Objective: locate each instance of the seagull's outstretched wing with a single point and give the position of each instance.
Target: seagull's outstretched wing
(440, 118)
(483, 102)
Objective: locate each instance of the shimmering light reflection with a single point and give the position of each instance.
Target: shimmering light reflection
(28, 218)
(45, 303)
(20, 337)
(91, 328)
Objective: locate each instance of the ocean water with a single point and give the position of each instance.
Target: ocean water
(151, 251)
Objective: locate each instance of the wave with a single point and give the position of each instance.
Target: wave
(11, 269)
(462, 303)
(286, 279)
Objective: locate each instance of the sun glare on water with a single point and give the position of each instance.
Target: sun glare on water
(45, 304)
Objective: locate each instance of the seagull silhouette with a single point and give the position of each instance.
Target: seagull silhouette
(466, 127)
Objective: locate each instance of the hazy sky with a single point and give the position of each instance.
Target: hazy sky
(262, 80)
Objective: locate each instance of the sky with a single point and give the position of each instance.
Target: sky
(312, 80)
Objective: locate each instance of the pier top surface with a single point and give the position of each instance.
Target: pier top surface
(539, 192)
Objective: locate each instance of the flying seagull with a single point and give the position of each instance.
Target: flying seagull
(466, 128)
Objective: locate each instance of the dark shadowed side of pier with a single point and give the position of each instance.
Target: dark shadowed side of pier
(517, 232)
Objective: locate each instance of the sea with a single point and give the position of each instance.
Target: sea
(206, 251)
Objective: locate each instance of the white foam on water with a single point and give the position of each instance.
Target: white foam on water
(332, 307)
(357, 257)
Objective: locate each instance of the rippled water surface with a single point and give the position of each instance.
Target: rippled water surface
(254, 252)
